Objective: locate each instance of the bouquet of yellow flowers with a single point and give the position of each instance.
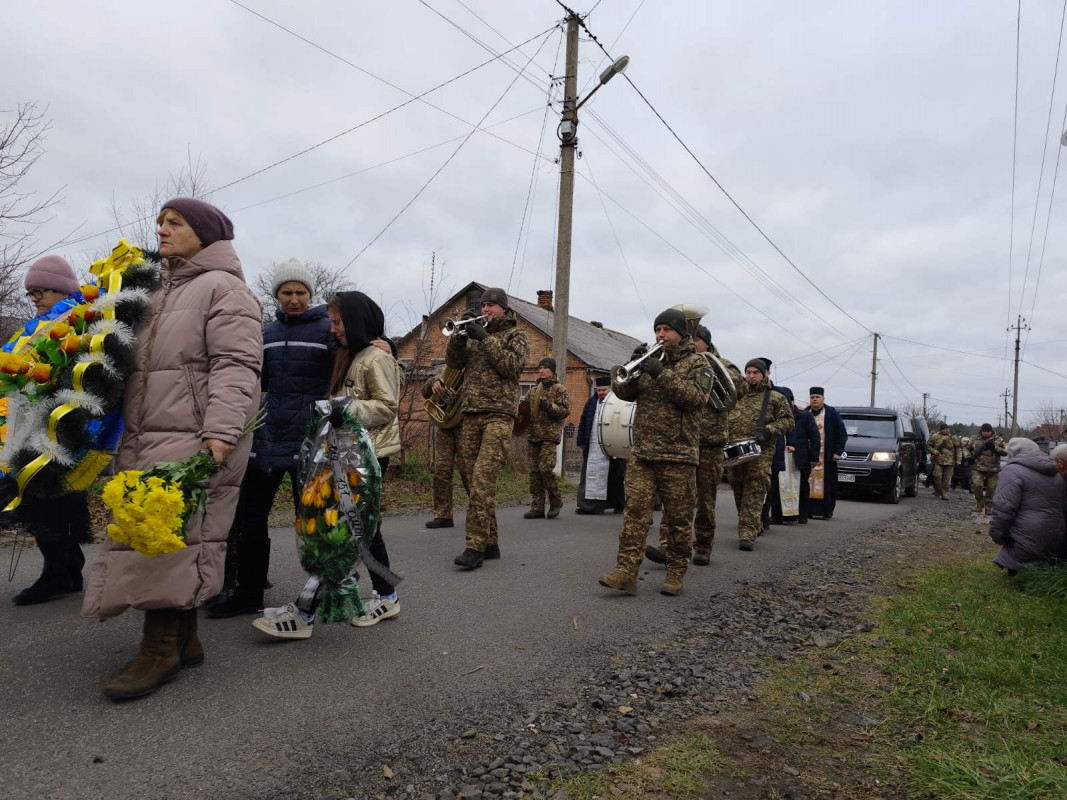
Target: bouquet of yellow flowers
(151, 509)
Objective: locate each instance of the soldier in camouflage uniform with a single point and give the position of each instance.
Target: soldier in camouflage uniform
(713, 427)
(670, 393)
(987, 450)
(544, 433)
(493, 357)
(446, 446)
(943, 447)
(751, 480)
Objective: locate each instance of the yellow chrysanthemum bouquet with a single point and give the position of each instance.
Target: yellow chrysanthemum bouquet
(151, 509)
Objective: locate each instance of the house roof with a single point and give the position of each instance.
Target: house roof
(600, 348)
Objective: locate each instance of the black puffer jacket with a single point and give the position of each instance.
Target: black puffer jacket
(298, 356)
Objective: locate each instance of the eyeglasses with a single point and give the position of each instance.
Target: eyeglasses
(36, 294)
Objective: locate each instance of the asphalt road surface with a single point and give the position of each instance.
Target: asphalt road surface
(265, 718)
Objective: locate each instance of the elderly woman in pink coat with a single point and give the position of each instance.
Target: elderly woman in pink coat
(195, 387)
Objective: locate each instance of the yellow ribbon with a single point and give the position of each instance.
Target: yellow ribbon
(124, 255)
(25, 474)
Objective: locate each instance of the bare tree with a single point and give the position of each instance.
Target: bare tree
(136, 220)
(910, 408)
(327, 281)
(22, 137)
(1048, 420)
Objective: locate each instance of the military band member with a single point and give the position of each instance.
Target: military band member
(445, 449)
(987, 449)
(763, 415)
(493, 357)
(943, 447)
(669, 394)
(713, 435)
(542, 437)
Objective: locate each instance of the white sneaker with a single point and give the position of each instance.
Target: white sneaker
(284, 623)
(377, 610)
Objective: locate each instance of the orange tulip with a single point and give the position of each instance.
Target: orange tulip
(307, 498)
(90, 291)
(70, 345)
(325, 489)
(90, 315)
(3, 432)
(42, 373)
(309, 526)
(10, 364)
(3, 406)
(59, 330)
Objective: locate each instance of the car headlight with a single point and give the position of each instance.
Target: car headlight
(883, 456)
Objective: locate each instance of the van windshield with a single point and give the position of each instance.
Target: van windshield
(875, 427)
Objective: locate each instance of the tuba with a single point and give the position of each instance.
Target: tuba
(445, 406)
(723, 390)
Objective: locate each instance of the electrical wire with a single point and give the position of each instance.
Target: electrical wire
(820, 352)
(844, 364)
(615, 41)
(889, 353)
(721, 188)
(945, 349)
(1044, 153)
(618, 243)
(856, 344)
(447, 161)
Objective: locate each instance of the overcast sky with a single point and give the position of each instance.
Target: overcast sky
(872, 143)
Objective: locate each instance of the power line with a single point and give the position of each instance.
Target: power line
(885, 347)
(1044, 369)
(721, 188)
(945, 349)
(1044, 153)
(820, 352)
(447, 161)
(847, 347)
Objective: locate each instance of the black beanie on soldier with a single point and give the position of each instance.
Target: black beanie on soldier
(494, 295)
(703, 334)
(987, 428)
(759, 364)
(673, 319)
(547, 362)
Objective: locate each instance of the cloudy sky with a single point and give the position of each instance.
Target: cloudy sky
(871, 142)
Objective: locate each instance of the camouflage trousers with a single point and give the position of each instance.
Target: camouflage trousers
(446, 444)
(983, 484)
(543, 480)
(750, 482)
(943, 479)
(483, 450)
(676, 485)
(709, 473)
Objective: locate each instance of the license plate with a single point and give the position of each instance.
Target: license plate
(841, 478)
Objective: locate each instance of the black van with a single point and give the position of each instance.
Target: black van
(882, 453)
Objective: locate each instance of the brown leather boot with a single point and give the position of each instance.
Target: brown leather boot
(157, 659)
(672, 586)
(620, 579)
(190, 651)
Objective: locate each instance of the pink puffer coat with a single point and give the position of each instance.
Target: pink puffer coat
(197, 377)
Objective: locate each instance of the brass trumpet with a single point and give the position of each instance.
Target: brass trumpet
(450, 327)
(624, 372)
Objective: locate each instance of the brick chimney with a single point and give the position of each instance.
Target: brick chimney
(597, 324)
(544, 299)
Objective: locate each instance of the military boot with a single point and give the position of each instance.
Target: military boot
(554, 509)
(655, 555)
(190, 651)
(534, 513)
(672, 586)
(620, 579)
(157, 659)
(702, 556)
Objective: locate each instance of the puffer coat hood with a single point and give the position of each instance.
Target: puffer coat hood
(1028, 512)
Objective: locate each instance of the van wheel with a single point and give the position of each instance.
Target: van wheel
(893, 495)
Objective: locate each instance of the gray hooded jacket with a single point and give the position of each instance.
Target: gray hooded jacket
(1028, 512)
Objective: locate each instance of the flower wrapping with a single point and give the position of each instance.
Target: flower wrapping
(338, 508)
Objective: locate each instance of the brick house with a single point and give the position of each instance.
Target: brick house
(592, 350)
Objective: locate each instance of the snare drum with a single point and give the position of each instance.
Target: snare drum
(615, 424)
(740, 452)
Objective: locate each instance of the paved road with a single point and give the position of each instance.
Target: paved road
(263, 718)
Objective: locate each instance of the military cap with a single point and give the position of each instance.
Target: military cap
(987, 428)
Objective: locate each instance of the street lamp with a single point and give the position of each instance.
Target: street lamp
(617, 67)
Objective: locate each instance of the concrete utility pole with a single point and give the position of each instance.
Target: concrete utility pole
(874, 368)
(1019, 326)
(568, 137)
(1006, 395)
(926, 396)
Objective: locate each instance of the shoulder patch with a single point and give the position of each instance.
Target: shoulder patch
(704, 379)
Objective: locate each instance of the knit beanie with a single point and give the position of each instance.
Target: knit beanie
(51, 272)
(547, 362)
(673, 319)
(759, 364)
(986, 428)
(209, 224)
(498, 296)
(704, 334)
(291, 270)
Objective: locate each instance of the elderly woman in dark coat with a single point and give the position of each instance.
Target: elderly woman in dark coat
(1028, 509)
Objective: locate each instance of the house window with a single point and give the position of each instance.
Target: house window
(474, 302)
(524, 389)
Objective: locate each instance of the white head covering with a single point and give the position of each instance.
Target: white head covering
(1020, 445)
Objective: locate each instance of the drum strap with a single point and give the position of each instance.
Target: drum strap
(761, 422)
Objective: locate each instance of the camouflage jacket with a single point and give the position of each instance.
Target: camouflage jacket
(745, 415)
(493, 366)
(547, 426)
(714, 427)
(943, 449)
(985, 459)
(669, 407)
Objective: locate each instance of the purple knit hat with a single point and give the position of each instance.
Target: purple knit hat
(209, 224)
(51, 272)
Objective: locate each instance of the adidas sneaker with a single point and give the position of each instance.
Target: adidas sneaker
(285, 622)
(377, 610)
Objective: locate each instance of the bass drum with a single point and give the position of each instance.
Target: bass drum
(615, 423)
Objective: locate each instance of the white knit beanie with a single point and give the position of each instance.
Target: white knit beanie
(291, 270)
